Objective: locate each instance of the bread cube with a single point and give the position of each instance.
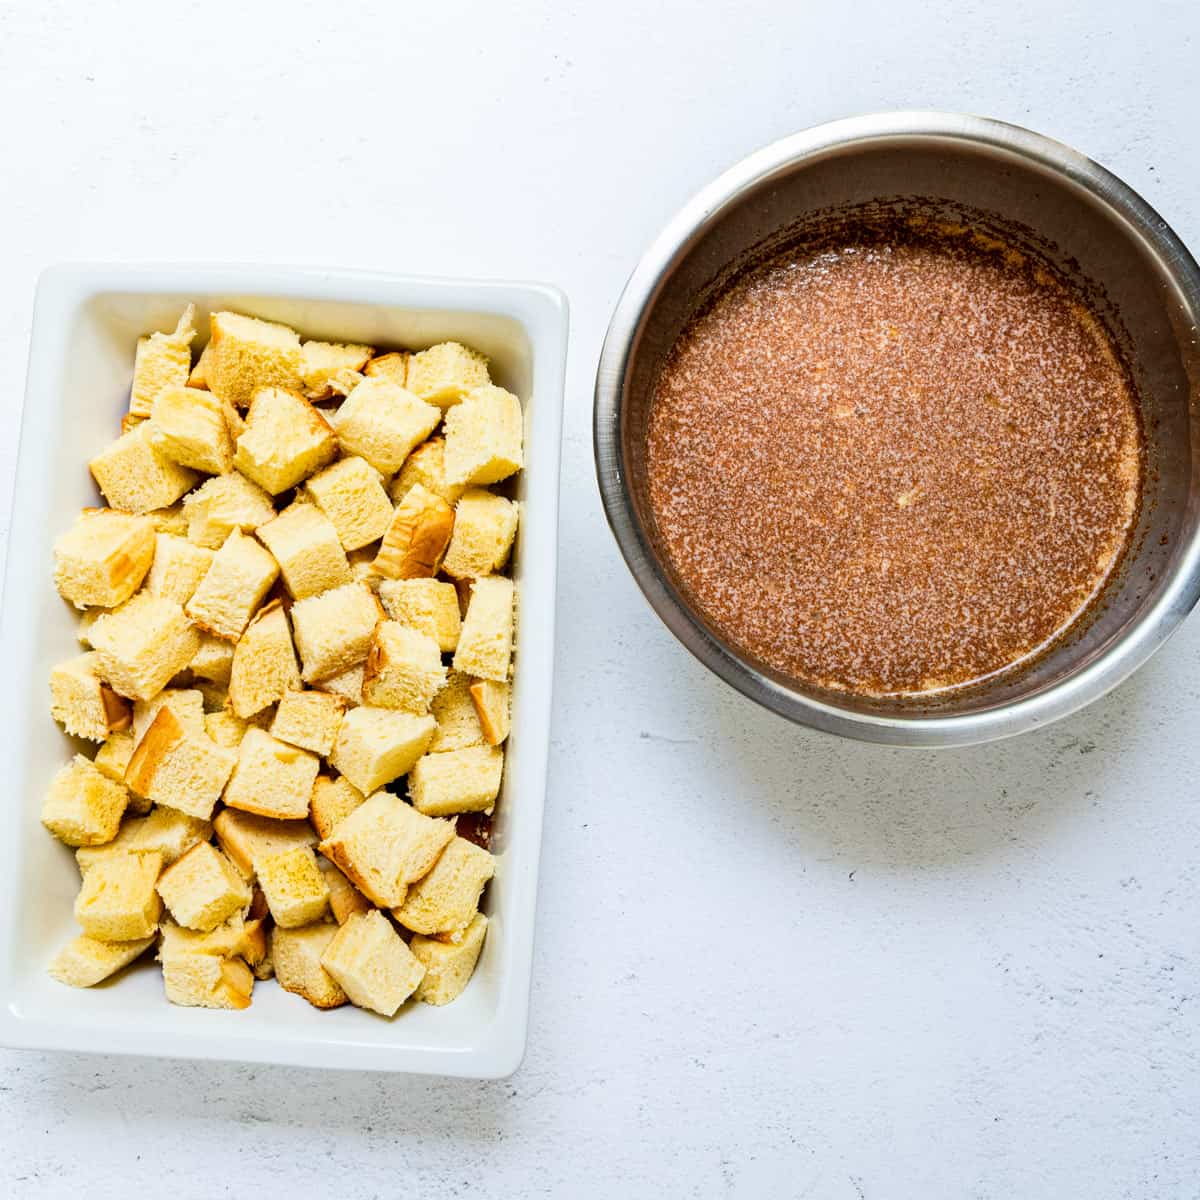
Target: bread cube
(457, 781)
(333, 799)
(351, 494)
(171, 519)
(165, 831)
(246, 837)
(103, 558)
(416, 540)
(344, 897)
(161, 360)
(376, 745)
(393, 367)
(295, 889)
(382, 422)
(484, 434)
(117, 901)
(235, 937)
(426, 465)
(309, 720)
(371, 963)
(203, 889)
(321, 361)
(334, 630)
(222, 504)
(178, 567)
(198, 980)
(82, 703)
(484, 527)
(384, 845)
(347, 684)
(186, 703)
(113, 757)
(245, 354)
(83, 806)
(142, 644)
(84, 961)
(190, 427)
(178, 767)
(264, 663)
(449, 962)
(458, 723)
(403, 669)
(233, 587)
(213, 660)
(492, 703)
(297, 954)
(284, 442)
(445, 373)
(135, 476)
(447, 897)
(271, 778)
(485, 644)
(225, 728)
(429, 606)
(305, 544)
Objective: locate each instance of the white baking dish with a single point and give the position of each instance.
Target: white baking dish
(86, 322)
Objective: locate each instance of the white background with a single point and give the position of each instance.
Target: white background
(769, 963)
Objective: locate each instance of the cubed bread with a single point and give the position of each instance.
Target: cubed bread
(245, 354)
(222, 504)
(113, 757)
(333, 799)
(83, 806)
(393, 367)
(236, 937)
(484, 527)
(143, 644)
(160, 361)
(225, 728)
(297, 955)
(347, 684)
(305, 544)
(449, 962)
(246, 837)
(178, 567)
(334, 630)
(233, 587)
(285, 440)
(447, 897)
(493, 703)
(117, 901)
(426, 465)
(384, 845)
(83, 703)
(485, 644)
(382, 422)
(186, 703)
(135, 476)
(165, 831)
(351, 494)
(417, 537)
(178, 767)
(191, 428)
(371, 963)
(458, 723)
(103, 558)
(198, 980)
(203, 889)
(296, 891)
(376, 745)
(457, 781)
(484, 435)
(213, 660)
(309, 720)
(403, 669)
(264, 663)
(171, 519)
(429, 606)
(271, 778)
(84, 961)
(344, 897)
(321, 361)
(445, 373)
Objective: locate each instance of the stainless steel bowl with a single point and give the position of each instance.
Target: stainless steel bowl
(1094, 227)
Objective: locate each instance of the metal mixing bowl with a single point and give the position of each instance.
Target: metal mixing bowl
(1093, 227)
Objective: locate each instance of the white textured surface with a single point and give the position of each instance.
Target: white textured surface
(767, 963)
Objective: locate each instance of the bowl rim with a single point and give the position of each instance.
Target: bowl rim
(1140, 221)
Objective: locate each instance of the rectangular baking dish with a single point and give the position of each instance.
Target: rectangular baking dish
(86, 323)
